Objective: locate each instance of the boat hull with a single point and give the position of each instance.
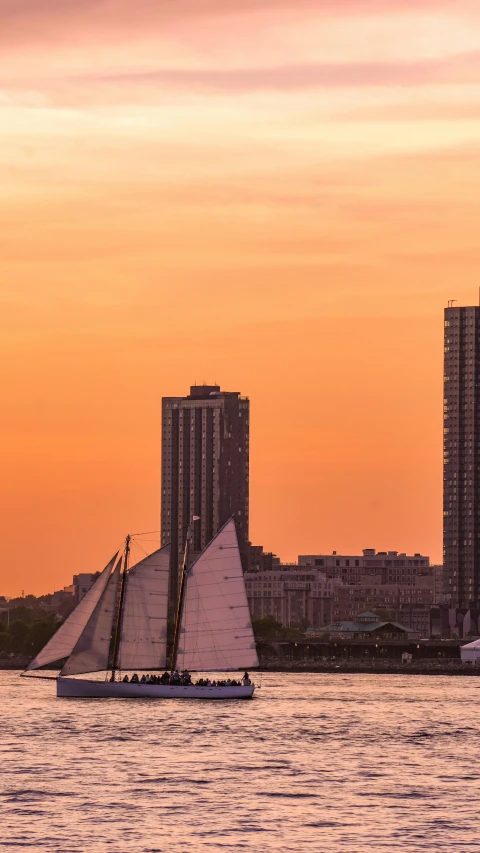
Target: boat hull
(81, 688)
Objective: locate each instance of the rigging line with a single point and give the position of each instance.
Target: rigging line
(145, 533)
(140, 548)
(146, 540)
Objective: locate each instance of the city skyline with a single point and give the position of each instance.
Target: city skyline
(278, 196)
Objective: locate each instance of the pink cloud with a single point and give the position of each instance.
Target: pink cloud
(456, 70)
(69, 21)
(461, 69)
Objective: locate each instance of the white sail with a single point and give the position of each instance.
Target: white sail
(216, 628)
(63, 642)
(143, 639)
(92, 649)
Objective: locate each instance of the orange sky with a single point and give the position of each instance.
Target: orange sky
(277, 195)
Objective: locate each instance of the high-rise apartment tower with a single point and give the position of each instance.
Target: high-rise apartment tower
(461, 471)
(205, 465)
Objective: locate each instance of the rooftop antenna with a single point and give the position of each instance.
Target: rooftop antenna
(451, 301)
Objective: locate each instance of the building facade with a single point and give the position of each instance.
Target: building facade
(394, 567)
(260, 560)
(407, 604)
(296, 596)
(205, 469)
(400, 586)
(454, 622)
(81, 584)
(461, 471)
(439, 572)
(324, 588)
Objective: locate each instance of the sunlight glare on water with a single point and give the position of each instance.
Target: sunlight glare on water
(350, 763)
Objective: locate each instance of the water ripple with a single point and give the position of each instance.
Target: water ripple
(317, 762)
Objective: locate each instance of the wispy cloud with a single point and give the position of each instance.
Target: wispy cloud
(461, 69)
(153, 85)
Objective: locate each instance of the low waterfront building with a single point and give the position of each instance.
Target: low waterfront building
(367, 625)
(470, 653)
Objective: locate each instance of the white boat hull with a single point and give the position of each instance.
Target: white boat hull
(81, 688)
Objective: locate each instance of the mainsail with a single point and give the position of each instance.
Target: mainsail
(92, 649)
(143, 638)
(216, 628)
(63, 642)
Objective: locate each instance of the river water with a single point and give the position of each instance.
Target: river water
(329, 763)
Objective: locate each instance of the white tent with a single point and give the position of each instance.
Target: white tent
(471, 652)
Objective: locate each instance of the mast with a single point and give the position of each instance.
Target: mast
(118, 626)
(181, 596)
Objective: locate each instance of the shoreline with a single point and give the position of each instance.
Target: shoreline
(376, 668)
(333, 667)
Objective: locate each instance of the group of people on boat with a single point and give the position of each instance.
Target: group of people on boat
(177, 678)
(230, 682)
(174, 678)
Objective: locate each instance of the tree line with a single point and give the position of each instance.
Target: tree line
(25, 630)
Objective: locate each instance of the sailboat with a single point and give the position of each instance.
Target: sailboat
(121, 625)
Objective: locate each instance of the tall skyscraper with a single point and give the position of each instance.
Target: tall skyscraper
(461, 480)
(205, 464)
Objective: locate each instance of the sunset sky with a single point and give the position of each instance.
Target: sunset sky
(276, 195)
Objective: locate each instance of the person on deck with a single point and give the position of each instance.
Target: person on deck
(134, 678)
(125, 679)
(246, 679)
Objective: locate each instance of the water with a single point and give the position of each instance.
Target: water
(328, 763)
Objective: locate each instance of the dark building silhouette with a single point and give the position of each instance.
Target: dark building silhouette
(205, 469)
(461, 481)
